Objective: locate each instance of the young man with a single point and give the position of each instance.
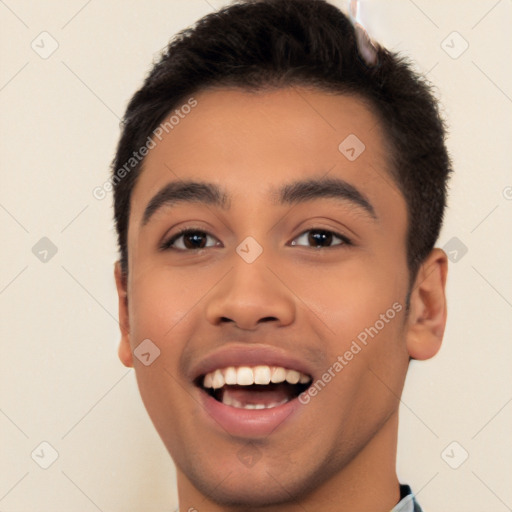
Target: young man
(280, 185)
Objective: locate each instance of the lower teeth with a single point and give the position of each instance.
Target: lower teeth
(233, 402)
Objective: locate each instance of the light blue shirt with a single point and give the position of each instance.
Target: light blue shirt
(407, 503)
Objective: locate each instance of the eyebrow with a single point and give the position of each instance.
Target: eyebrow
(289, 194)
(307, 190)
(186, 192)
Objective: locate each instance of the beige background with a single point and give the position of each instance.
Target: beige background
(60, 379)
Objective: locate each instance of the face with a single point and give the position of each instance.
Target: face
(292, 273)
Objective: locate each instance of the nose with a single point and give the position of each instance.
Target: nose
(251, 294)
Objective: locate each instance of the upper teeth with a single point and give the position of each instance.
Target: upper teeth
(247, 375)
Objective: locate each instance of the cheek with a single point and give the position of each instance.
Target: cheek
(362, 316)
(350, 297)
(158, 301)
(366, 317)
(160, 310)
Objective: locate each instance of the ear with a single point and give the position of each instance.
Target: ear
(427, 315)
(124, 350)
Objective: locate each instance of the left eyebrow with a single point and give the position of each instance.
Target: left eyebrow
(318, 188)
(291, 193)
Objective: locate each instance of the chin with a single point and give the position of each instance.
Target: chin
(252, 487)
(253, 492)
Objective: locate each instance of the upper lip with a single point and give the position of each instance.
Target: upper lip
(249, 355)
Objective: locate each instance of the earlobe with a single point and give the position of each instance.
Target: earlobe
(124, 350)
(427, 317)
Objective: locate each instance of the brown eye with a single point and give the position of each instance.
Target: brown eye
(189, 239)
(321, 238)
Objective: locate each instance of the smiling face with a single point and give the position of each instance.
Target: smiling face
(295, 263)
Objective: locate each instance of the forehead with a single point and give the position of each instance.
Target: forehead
(245, 141)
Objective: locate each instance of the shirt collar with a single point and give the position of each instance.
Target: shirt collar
(407, 502)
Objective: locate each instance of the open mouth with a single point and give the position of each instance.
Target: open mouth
(254, 387)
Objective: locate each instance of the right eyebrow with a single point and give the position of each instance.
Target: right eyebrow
(186, 192)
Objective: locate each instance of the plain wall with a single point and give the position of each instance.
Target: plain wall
(60, 379)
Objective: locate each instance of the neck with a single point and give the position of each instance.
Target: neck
(367, 482)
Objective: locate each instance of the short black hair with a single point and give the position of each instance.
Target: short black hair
(263, 44)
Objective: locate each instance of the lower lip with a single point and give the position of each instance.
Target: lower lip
(249, 422)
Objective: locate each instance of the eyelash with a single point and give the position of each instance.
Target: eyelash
(168, 245)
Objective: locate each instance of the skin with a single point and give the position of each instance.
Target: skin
(339, 454)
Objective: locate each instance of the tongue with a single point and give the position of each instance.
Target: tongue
(258, 394)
